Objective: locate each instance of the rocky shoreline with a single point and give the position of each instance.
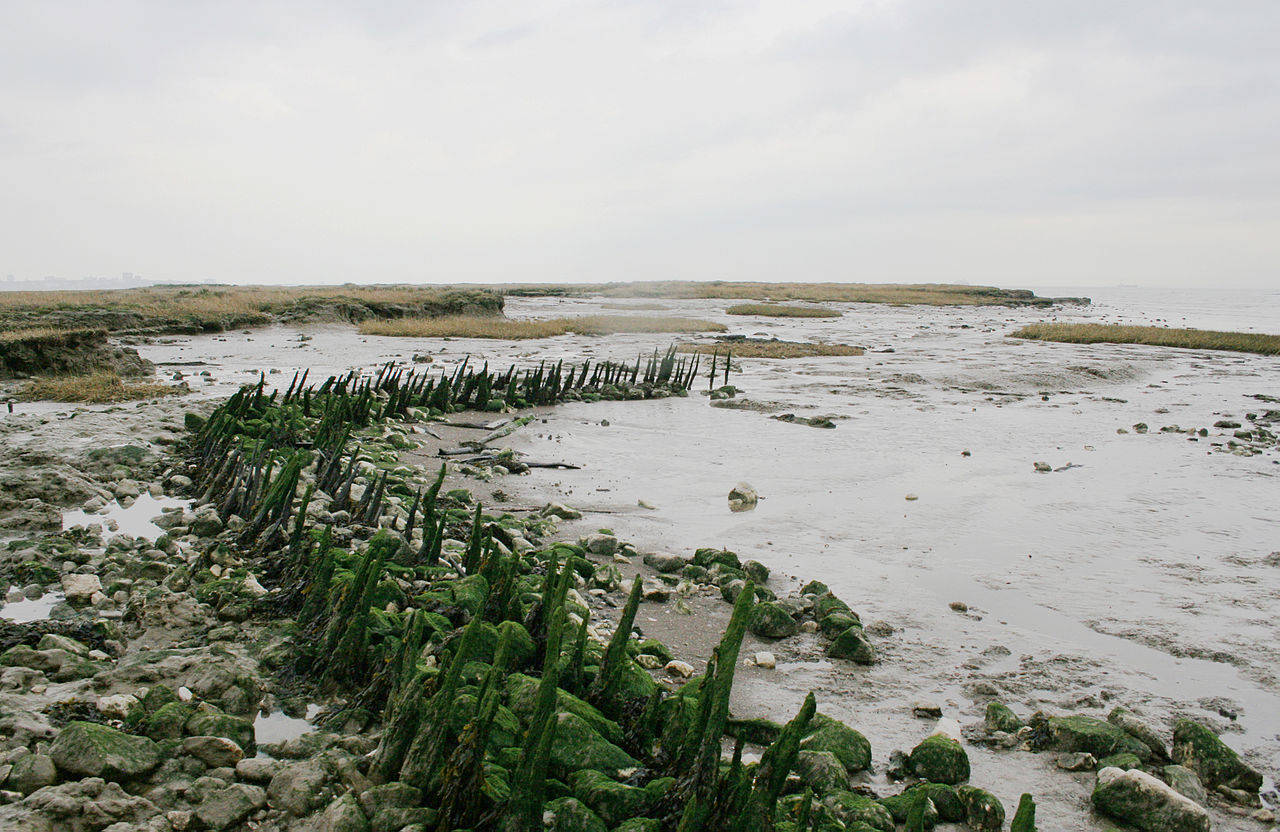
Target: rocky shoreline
(471, 669)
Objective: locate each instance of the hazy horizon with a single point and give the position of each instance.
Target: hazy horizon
(1022, 145)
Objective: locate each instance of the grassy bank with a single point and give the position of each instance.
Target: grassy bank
(931, 294)
(1158, 336)
(217, 308)
(778, 310)
(771, 349)
(94, 388)
(468, 326)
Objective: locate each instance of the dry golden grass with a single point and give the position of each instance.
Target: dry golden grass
(468, 326)
(187, 308)
(778, 310)
(44, 333)
(95, 388)
(771, 349)
(1158, 336)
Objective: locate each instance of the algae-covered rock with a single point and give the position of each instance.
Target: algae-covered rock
(1124, 761)
(939, 759)
(614, 802)
(821, 771)
(214, 723)
(1000, 717)
(851, 808)
(983, 811)
(1186, 782)
(31, 772)
(577, 745)
(850, 747)
(523, 650)
(344, 815)
(836, 623)
(828, 603)
(1137, 798)
(226, 807)
(86, 749)
(922, 815)
(567, 814)
(852, 644)
(639, 825)
(1200, 750)
(772, 620)
(1139, 730)
(1099, 738)
(944, 798)
(168, 722)
(1024, 820)
(522, 693)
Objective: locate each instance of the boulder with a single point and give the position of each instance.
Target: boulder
(850, 747)
(79, 588)
(578, 746)
(983, 811)
(1139, 730)
(1185, 782)
(1200, 750)
(857, 811)
(939, 759)
(343, 815)
(601, 544)
(821, 771)
(852, 644)
(568, 814)
(1141, 800)
(772, 620)
(668, 564)
(214, 723)
(215, 752)
(297, 789)
(86, 749)
(614, 802)
(999, 717)
(30, 773)
(227, 807)
(1099, 738)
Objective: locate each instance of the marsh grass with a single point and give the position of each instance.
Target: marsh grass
(932, 294)
(94, 388)
(1157, 336)
(771, 349)
(215, 308)
(469, 326)
(779, 310)
(41, 334)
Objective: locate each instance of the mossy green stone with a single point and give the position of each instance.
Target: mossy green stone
(577, 746)
(1098, 737)
(1200, 750)
(639, 825)
(944, 798)
(1000, 718)
(850, 747)
(168, 722)
(821, 771)
(852, 644)
(522, 693)
(87, 749)
(827, 604)
(983, 811)
(836, 623)
(1124, 760)
(772, 620)
(218, 724)
(852, 808)
(568, 814)
(614, 802)
(940, 759)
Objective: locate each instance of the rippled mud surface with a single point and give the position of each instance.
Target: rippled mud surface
(1141, 569)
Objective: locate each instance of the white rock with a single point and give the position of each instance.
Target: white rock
(675, 667)
(742, 497)
(766, 660)
(117, 705)
(184, 694)
(252, 586)
(1142, 800)
(80, 587)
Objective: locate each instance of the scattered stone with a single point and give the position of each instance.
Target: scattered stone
(1077, 761)
(926, 710)
(601, 544)
(1185, 782)
(30, 773)
(742, 497)
(1000, 718)
(79, 588)
(1043, 467)
(226, 807)
(1137, 798)
(561, 511)
(678, 668)
(983, 811)
(772, 620)
(765, 660)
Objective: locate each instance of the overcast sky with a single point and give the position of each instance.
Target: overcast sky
(1013, 142)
